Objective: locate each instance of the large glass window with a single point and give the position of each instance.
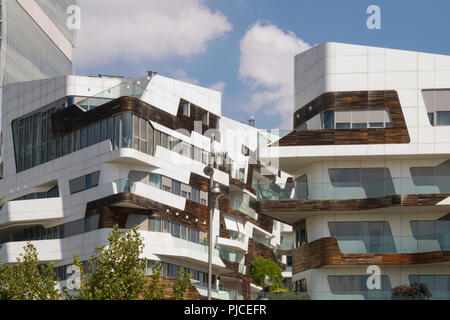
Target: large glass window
(443, 118)
(34, 143)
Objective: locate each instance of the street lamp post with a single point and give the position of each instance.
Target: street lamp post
(209, 171)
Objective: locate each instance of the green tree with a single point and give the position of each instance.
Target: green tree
(261, 269)
(27, 279)
(181, 285)
(156, 289)
(118, 272)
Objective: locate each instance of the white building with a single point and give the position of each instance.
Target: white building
(81, 154)
(370, 160)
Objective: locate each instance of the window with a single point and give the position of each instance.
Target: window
(154, 224)
(328, 119)
(245, 151)
(443, 118)
(437, 105)
(301, 238)
(376, 235)
(205, 118)
(376, 124)
(359, 125)
(83, 183)
(186, 109)
(176, 187)
(356, 284)
(342, 125)
(83, 143)
(195, 194)
(300, 286)
(301, 188)
(127, 130)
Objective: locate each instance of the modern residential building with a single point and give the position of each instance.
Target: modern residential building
(81, 154)
(369, 156)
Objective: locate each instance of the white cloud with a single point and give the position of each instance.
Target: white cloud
(183, 76)
(267, 66)
(135, 29)
(219, 86)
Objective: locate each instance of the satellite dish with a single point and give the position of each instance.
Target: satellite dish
(208, 170)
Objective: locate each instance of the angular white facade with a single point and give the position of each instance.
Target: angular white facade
(370, 160)
(130, 152)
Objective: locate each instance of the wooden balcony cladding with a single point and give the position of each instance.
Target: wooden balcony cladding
(353, 100)
(73, 118)
(268, 206)
(325, 252)
(116, 208)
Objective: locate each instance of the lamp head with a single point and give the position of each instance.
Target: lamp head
(216, 189)
(208, 171)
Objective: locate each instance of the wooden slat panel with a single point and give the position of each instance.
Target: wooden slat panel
(354, 100)
(325, 251)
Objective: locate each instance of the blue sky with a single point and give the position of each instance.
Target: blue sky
(205, 46)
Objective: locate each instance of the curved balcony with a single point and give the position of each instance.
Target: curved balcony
(385, 244)
(326, 251)
(237, 241)
(292, 202)
(31, 211)
(219, 293)
(351, 190)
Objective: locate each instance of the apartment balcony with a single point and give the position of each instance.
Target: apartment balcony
(243, 207)
(328, 252)
(286, 245)
(57, 249)
(149, 191)
(291, 202)
(237, 241)
(219, 293)
(164, 244)
(349, 295)
(430, 243)
(31, 211)
(352, 190)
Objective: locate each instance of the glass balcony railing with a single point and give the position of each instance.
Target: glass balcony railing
(238, 236)
(220, 292)
(265, 241)
(270, 137)
(351, 295)
(286, 245)
(350, 190)
(238, 174)
(429, 243)
(125, 185)
(202, 248)
(131, 89)
(244, 208)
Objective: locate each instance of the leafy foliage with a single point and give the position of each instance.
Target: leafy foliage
(115, 272)
(27, 279)
(181, 285)
(156, 288)
(119, 272)
(417, 290)
(261, 268)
